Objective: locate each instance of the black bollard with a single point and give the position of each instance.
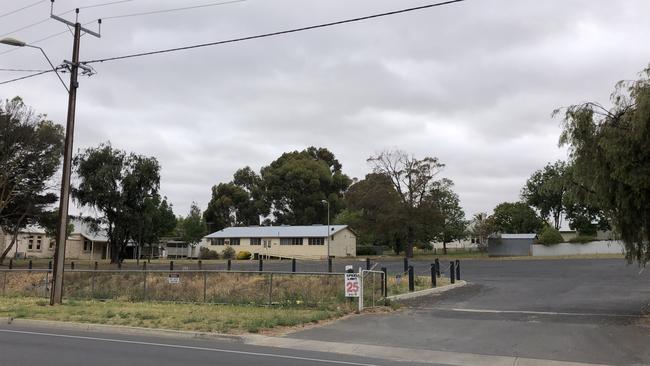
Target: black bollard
(11, 264)
(144, 266)
(96, 265)
(171, 265)
(437, 267)
(367, 263)
(433, 275)
(452, 272)
(457, 269)
(411, 279)
(30, 264)
(261, 265)
(119, 264)
(329, 264)
(200, 264)
(49, 265)
(293, 265)
(406, 264)
(229, 264)
(72, 265)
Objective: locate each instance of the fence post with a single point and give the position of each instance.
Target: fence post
(229, 264)
(119, 264)
(433, 275)
(30, 264)
(411, 279)
(171, 265)
(368, 264)
(261, 265)
(72, 265)
(11, 263)
(96, 266)
(205, 287)
(406, 264)
(437, 267)
(4, 283)
(329, 264)
(49, 265)
(270, 288)
(200, 264)
(92, 283)
(144, 281)
(384, 282)
(458, 269)
(452, 272)
(293, 265)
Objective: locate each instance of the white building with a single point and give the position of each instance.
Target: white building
(309, 242)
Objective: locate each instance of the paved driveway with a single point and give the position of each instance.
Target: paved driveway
(569, 310)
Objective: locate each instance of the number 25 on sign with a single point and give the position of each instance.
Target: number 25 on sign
(351, 285)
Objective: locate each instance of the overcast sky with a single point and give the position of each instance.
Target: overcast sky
(473, 83)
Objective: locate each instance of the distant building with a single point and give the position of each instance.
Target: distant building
(286, 241)
(33, 242)
(504, 245)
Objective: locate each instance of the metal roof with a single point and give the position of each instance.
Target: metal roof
(518, 236)
(276, 231)
(84, 229)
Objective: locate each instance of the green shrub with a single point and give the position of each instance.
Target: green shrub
(243, 255)
(582, 239)
(205, 253)
(549, 236)
(228, 253)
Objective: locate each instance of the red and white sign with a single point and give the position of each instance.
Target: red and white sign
(352, 286)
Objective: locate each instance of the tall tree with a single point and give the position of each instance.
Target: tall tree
(413, 180)
(481, 227)
(30, 154)
(452, 223)
(611, 160)
(515, 218)
(238, 203)
(118, 186)
(155, 220)
(545, 190)
(193, 226)
(297, 182)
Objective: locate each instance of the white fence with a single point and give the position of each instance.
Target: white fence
(594, 247)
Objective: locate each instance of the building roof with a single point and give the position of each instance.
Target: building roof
(518, 236)
(276, 231)
(85, 230)
(33, 229)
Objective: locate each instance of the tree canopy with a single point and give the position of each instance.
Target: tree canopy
(30, 154)
(608, 148)
(515, 218)
(545, 190)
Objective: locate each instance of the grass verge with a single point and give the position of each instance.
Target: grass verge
(231, 319)
(421, 283)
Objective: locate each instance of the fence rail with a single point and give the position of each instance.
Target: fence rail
(281, 288)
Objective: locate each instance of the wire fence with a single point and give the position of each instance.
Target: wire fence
(299, 289)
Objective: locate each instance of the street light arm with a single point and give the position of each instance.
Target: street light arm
(51, 65)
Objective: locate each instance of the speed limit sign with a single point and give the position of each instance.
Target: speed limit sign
(352, 285)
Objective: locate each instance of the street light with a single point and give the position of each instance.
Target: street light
(328, 227)
(18, 43)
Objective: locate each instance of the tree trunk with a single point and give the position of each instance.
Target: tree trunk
(444, 248)
(8, 249)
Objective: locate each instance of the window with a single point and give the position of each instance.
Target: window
(38, 244)
(87, 245)
(256, 241)
(30, 245)
(290, 241)
(316, 241)
(234, 241)
(217, 241)
(51, 244)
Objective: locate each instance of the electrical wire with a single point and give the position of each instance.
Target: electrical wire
(21, 9)
(21, 70)
(272, 34)
(171, 10)
(26, 77)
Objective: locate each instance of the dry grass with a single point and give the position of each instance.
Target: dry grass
(190, 317)
(421, 283)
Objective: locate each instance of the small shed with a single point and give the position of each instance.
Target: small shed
(508, 245)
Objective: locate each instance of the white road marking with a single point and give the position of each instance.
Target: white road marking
(260, 354)
(490, 311)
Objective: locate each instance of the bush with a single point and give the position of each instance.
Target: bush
(205, 253)
(582, 239)
(549, 236)
(243, 255)
(228, 253)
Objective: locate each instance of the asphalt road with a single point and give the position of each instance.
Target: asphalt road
(567, 310)
(30, 346)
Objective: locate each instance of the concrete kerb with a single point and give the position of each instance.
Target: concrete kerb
(429, 291)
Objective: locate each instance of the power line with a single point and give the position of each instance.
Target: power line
(21, 9)
(26, 77)
(272, 34)
(21, 70)
(172, 10)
